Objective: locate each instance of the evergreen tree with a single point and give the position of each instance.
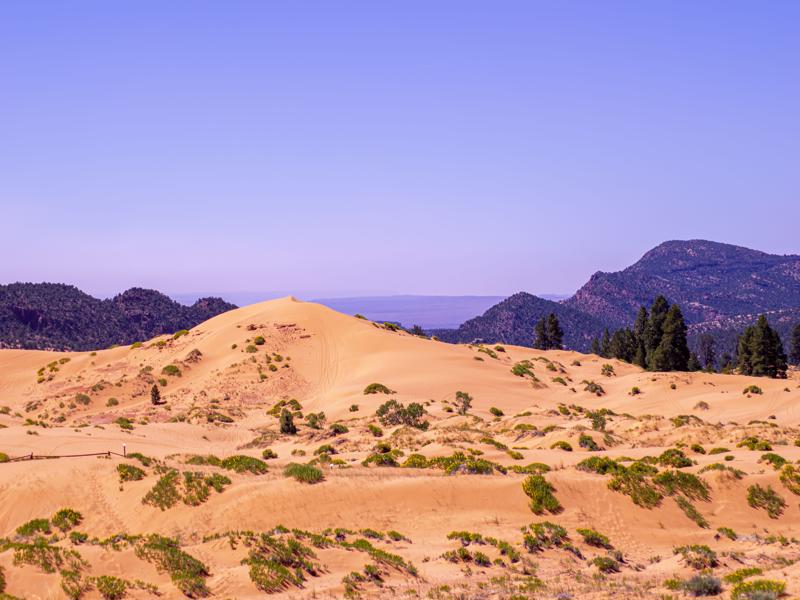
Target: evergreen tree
(694, 363)
(725, 362)
(654, 330)
(155, 395)
(794, 355)
(596, 346)
(605, 345)
(639, 329)
(707, 351)
(764, 352)
(287, 423)
(672, 352)
(555, 335)
(540, 338)
(623, 345)
(745, 363)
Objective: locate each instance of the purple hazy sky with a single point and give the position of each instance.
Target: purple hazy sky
(446, 147)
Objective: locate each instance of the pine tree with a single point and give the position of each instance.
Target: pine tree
(767, 357)
(605, 345)
(639, 329)
(725, 362)
(287, 423)
(540, 338)
(596, 346)
(654, 330)
(155, 395)
(706, 349)
(794, 355)
(555, 335)
(672, 352)
(694, 363)
(623, 345)
(743, 352)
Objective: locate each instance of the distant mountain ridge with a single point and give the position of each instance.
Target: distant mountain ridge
(709, 280)
(721, 288)
(512, 322)
(62, 317)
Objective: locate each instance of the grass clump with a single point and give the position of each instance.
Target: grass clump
(754, 443)
(766, 498)
(602, 465)
(187, 573)
(540, 491)
(304, 473)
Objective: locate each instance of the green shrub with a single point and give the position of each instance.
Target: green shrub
(4, 458)
(187, 573)
(375, 430)
(377, 388)
(593, 388)
(110, 587)
(544, 535)
(241, 464)
(268, 454)
(496, 411)
(259, 340)
(607, 370)
(463, 402)
(752, 389)
(395, 413)
(561, 445)
(315, 420)
(698, 448)
(635, 391)
(171, 371)
(540, 491)
(605, 564)
(697, 556)
(766, 498)
(634, 484)
(602, 465)
(380, 459)
(82, 399)
(164, 494)
(718, 450)
(702, 585)
(587, 441)
(180, 333)
(416, 461)
(739, 575)
(690, 511)
(287, 425)
(776, 460)
(129, 472)
(66, 519)
(688, 484)
(754, 443)
(674, 458)
(354, 408)
(112, 402)
(758, 589)
(727, 532)
(594, 538)
(251, 348)
(124, 423)
(304, 473)
(790, 477)
(339, 428)
(33, 527)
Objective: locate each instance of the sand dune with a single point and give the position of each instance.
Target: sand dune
(219, 383)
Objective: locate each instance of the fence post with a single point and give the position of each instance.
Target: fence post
(124, 450)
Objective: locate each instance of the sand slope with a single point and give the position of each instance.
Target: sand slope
(220, 384)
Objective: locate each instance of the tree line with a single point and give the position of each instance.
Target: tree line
(658, 342)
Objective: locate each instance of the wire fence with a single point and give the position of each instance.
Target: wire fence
(32, 456)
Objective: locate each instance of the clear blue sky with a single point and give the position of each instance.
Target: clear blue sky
(376, 147)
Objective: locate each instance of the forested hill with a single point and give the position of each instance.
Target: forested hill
(62, 317)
